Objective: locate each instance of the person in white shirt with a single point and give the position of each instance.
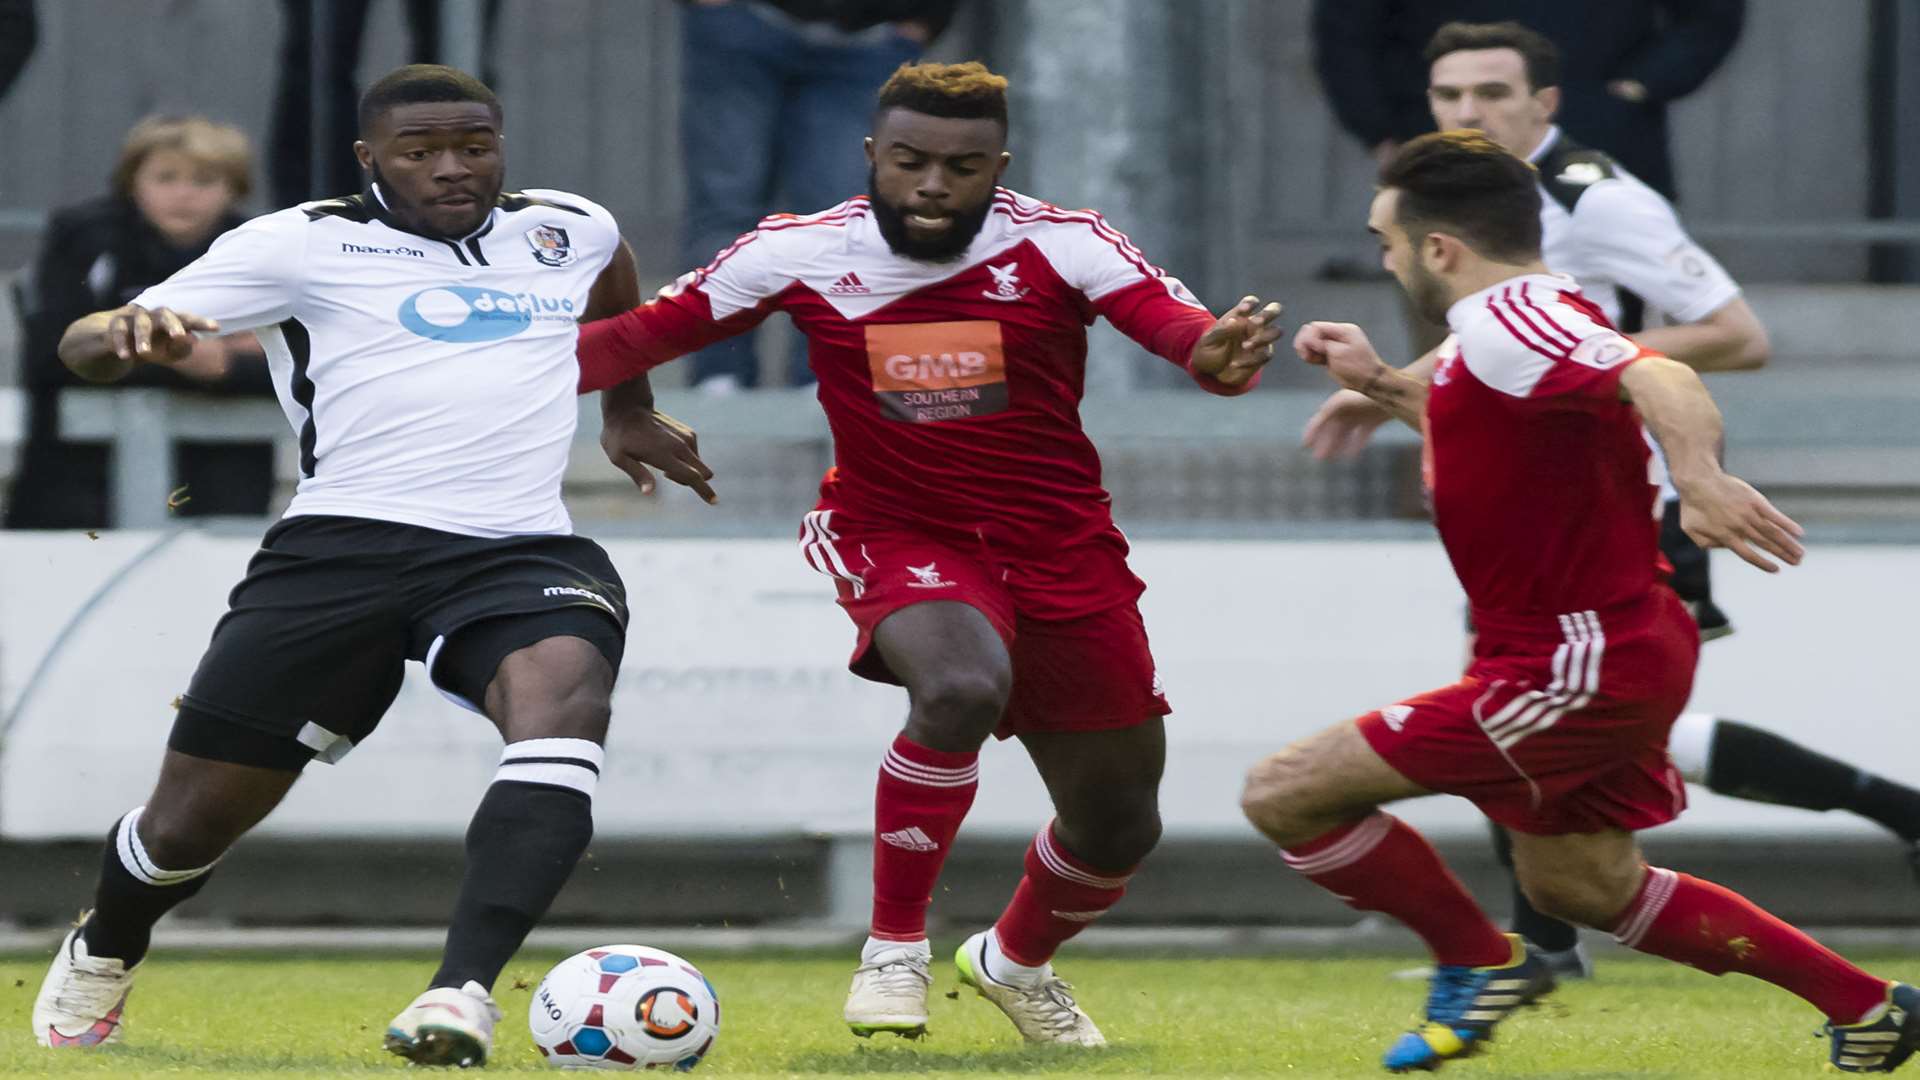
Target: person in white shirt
(1625, 247)
(421, 339)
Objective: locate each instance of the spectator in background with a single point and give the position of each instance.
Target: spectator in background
(19, 33)
(177, 185)
(776, 96)
(1623, 62)
(343, 26)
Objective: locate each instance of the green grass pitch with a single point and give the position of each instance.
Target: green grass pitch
(315, 1015)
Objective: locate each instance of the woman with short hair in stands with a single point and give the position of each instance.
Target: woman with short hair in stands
(178, 184)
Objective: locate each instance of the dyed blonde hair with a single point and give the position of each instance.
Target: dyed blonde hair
(221, 147)
(965, 91)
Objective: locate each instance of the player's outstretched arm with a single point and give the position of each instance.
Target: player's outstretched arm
(1344, 423)
(633, 434)
(1343, 349)
(104, 346)
(1238, 344)
(1717, 509)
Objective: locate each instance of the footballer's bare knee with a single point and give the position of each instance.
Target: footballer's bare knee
(1585, 878)
(201, 806)
(556, 688)
(957, 707)
(1278, 797)
(1319, 784)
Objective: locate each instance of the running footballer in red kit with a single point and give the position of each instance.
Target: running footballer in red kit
(1540, 488)
(964, 524)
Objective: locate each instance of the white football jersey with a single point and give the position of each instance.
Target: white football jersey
(432, 382)
(1608, 231)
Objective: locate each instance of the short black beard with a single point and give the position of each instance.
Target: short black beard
(406, 213)
(1428, 295)
(893, 228)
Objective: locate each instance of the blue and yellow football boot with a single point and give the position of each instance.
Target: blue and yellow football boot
(1463, 1004)
(1882, 1041)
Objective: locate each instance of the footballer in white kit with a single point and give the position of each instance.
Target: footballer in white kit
(421, 337)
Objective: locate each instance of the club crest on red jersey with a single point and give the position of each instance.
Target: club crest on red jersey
(1006, 283)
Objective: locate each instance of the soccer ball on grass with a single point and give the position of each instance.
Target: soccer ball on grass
(624, 1007)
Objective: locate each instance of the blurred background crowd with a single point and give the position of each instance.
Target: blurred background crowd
(1233, 139)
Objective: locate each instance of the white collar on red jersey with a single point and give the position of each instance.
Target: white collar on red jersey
(1464, 308)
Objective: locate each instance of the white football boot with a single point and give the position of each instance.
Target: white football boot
(1040, 1006)
(890, 989)
(82, 999)
(445, 1026)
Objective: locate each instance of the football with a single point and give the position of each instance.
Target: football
(624, 1007)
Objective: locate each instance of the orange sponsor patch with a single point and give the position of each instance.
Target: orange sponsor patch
(926, 372)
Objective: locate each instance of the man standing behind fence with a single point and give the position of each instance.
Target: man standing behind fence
(964, 524)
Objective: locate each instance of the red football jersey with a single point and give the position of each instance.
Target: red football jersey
(952, 388)
(1538, 472)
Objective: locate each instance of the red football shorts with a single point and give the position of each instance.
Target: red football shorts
(1556, 728)
(1086, 670)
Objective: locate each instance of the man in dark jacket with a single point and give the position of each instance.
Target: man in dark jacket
(775, 98)
(1623, 61)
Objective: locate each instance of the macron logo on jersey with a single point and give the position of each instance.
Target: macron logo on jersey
(848, 285)
(368, 249)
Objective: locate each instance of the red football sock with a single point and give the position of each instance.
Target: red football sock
(1380, 864)
(922, 798)
(1717, 930)
(1058, 898)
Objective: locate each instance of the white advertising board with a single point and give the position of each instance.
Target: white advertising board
(735, 715)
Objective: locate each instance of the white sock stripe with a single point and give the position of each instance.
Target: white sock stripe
(133, 855)
(585, 751)
(1347, 850)
(574, 777)
(1660, 886)
(909, 778)
(1056, 864)
(931, 773)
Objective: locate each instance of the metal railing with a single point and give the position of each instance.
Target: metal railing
(1176, 461)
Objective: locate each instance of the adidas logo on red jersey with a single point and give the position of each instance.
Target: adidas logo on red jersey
(848, 285)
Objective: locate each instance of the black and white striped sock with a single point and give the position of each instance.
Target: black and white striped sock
(567, 763)
(529, 831)
(133, 893)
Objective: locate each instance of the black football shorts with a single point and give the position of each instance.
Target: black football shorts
(312, 648)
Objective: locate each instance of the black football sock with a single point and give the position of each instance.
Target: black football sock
(1747, 762)
(132, 895)
(530, 830)
(1544, 931)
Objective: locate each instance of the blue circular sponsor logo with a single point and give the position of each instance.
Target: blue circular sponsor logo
(462, 313)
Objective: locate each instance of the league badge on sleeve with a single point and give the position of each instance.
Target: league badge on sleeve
(551, 245)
